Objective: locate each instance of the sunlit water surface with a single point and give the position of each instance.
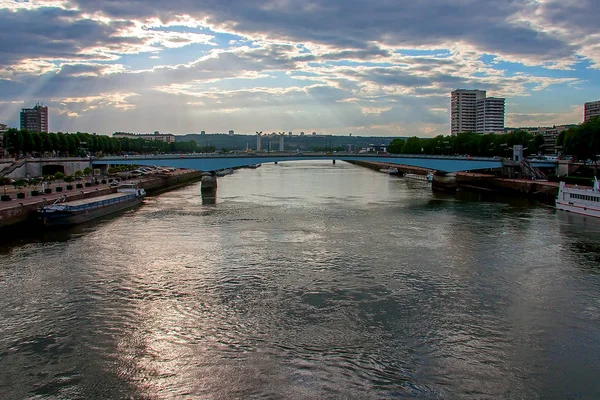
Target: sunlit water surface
(306, 280)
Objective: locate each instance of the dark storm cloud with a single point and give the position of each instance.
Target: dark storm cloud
(53, 33)
(356, 23)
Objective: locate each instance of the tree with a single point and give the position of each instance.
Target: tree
(87, 171)
(396, 146)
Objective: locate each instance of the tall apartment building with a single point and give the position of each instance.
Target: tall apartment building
(490, 115)
(35, 119)
(472, 111)
(591, 109)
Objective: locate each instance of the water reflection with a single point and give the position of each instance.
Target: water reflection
(307, 281)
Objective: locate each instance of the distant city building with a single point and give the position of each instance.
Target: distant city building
(3, 129)
(289, 133)
(472, 111)
(550, 134)
(591, 109)
(35, 119)
(231, 133)
(314, 133)
(203, 132)
(155, 137)
(301, 133)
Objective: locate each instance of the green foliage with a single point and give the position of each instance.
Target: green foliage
(87, 171)
(571, 180)
(68, 179)
(470, 143)
(80, 144)
(583, 141)
(78, 174)
(59, 176)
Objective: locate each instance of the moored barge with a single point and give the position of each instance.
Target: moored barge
(80, 211)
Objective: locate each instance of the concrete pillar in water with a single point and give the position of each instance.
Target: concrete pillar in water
(208, 189)
(209, 182)
(333, 162)
(444, 183)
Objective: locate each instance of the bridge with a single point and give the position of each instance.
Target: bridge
(215, 162)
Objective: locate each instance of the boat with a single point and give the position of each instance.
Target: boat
(224, 172)
(63, 212)
(253, 166)
(417, 177)
(392, 171)
(579, 200)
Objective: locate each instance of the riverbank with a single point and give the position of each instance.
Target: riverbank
(542, 191)
(20, 211)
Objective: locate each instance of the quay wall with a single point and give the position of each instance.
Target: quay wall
(542, 191)
(403, 169)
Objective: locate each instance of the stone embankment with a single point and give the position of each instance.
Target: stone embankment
(542, 191)
(21, 210)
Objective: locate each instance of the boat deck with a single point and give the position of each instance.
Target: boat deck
(96, 199)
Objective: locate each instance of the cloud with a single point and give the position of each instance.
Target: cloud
(324, 65)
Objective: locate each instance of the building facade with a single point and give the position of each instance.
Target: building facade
(35, 119)
(472, 111)
(591, 109)
(3, 129)
(155, 137)
(490, 115)
(550, 134)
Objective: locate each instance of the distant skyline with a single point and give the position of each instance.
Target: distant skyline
(372, 67)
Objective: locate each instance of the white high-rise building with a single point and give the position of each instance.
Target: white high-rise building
(490, 115)
(471, 111)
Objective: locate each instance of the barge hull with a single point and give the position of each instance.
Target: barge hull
(65, 218)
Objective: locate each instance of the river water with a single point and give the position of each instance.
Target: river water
(305, 281)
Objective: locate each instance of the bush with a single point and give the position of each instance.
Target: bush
(571, 180)
(68, 179)
(58, 176)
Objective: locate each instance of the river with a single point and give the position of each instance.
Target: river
(305, 281)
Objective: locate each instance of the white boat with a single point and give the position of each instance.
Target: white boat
(417, 177)
(579, 200)
(392, 171)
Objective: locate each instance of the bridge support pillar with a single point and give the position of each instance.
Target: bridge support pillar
(209, 182)
(444, 183)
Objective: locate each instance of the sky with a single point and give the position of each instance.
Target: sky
(366, 67)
